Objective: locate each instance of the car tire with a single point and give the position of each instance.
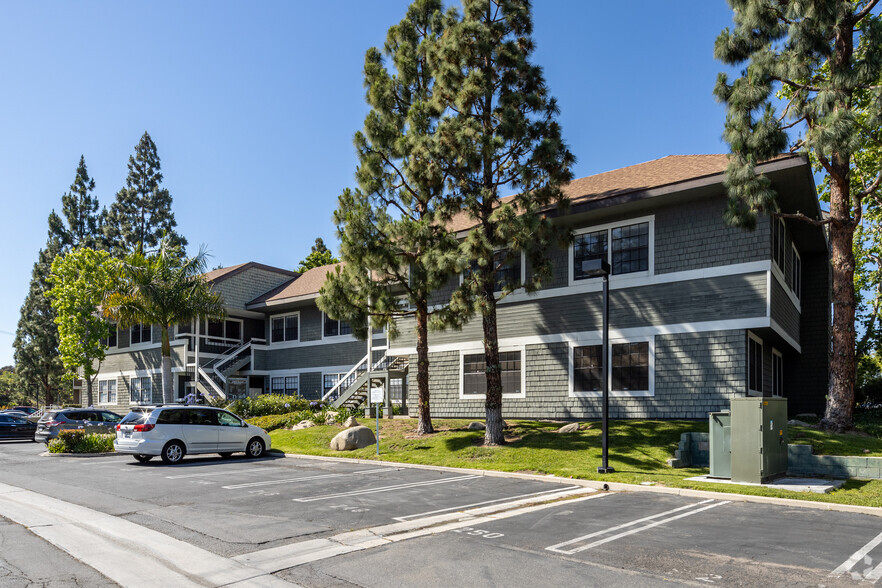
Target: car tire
(143, 458)
(173, 452)
(225, 454)
(255, 448)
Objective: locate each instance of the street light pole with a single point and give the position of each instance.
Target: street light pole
(599, 267)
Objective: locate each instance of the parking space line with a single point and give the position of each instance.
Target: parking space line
(224, 473)
(385, 488)
(440, 510)
(858, 556)
(301, 479)
(689, 508)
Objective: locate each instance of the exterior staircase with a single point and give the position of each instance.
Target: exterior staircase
(212, 380)
(353, 390)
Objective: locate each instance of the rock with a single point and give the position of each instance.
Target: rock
(354, 438)
(303, 425)
(798, 423)
(570, 428)
(866, 451)
(476, 426)
(350, 422)
(331, 417)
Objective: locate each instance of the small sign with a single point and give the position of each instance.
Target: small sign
(377, 395)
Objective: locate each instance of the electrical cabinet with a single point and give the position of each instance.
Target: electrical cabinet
(758, 439)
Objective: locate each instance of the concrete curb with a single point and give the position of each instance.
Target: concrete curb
(616, 486)
(103, 453)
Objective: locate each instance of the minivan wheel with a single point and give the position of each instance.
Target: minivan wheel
(173, 452)
(255, 447)
(143, 458)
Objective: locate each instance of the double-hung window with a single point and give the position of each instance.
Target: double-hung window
(779, 242)
(795, 272)
(285, 328)
(141, 333)
(140, 390)
(285, 385)
(474, 373)
(626, 247)
(629, 367)
(110, 340)
(226, 329)
(334, 328)
(107, 391)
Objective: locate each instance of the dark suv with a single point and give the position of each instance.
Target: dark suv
(91, 420)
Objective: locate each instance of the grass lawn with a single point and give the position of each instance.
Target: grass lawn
(638, 451)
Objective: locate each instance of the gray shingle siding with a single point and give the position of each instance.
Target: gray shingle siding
(247, 285)
(784, 312)
(331, 354)
(147, 359)
(311, 385)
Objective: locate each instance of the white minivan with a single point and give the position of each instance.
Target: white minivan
(173, 431)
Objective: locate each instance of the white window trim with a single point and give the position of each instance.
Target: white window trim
(571, 281)
(140, 402)
(272, 343)
(751, 391)
(115, 391)
(142, 344)
(502, 348)
(224, 337)
(283, 376)
(597, 340)
(780, 356)
(345, 337)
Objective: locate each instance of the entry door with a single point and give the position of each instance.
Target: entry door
(200, 430)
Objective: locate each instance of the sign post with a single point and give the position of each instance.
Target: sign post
(377, 400)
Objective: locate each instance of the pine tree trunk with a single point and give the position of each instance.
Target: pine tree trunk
(493, 432)
(840, 397)
(424, 426)
(167, 387)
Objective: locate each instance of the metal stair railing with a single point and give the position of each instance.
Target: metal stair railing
(346, 380)
(354, 388)
(211, 378)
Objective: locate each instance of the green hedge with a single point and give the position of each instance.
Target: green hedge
(81, 442)
(281, 421)
(271, 404)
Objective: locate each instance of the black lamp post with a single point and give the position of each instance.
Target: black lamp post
(595, 268)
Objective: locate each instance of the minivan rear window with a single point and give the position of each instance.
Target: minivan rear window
(135, 418)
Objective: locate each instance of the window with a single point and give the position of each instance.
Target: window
(630, 367)
(284, 385)
(285, 328)
(474, 373)
(334, 327)
(140, 333)
(508, 268)
(778, 242)
(107, 392)
(330, 380)
(227, 329)
(625, 247)
(140, 390)
(795, 272)
(225, 419)
(110, 340)
(777, 373)
(754, 364)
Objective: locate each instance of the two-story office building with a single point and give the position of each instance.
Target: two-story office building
(700, 312)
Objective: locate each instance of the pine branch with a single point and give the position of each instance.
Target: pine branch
(866, 10)
(802, 217)
(871, 188)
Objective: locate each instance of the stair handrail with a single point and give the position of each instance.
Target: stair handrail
(217, 364)
(341, 381)
(211, 381)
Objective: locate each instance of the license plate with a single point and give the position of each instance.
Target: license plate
(127, 434)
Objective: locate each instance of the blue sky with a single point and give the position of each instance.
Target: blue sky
(253, 107)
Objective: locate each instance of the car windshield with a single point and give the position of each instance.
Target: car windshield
(135, 418)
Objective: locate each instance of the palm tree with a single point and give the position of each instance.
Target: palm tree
(163, 288)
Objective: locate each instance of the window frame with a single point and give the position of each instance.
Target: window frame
(757, 340)
(777, 373)
(140, 327)
(107, 382)
(285, 378)
(608, 227)
(338, 336)
(523, 276)
(283, 318)
(795, 272)
(140, 400)
(502, 349)
(597, 341)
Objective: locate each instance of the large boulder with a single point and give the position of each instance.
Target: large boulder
(302, 425)
(570, 428)
(331, 417)
(476, 426)
(354, 438)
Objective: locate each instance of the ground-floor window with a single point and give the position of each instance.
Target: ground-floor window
(284, 385)
(107, 392)
(630, 367)
(777, 373)
(141, 390)
(754, 364)
(474, 373)
(330, 380)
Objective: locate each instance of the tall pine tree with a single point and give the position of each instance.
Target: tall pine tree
(318, 256)
(808, 47)
(79, 223)
(402, 255)
(501, 135)
(142, 213)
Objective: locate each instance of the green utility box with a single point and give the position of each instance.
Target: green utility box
(758, 438)
(720, 430)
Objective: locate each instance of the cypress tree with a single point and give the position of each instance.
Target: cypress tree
(394, 260)
(141, 214)
(501, 134)
(79, 223)
(824, 53)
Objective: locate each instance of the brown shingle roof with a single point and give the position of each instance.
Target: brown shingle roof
(306, 284)
(634, 178)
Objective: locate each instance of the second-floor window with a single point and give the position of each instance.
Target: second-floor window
(795, 272)
(227, 329)
(333, 327)
(284, 328)
(508, 268)
(110, 340)
(625, 247)
(141, 333)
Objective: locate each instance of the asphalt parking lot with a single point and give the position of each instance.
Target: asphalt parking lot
(338, 523)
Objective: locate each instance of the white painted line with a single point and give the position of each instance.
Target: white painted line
(301, 479)
(462, 506)
(224, 473)
(875, 574)
(385, 488)
(858, 556)
(556, 548)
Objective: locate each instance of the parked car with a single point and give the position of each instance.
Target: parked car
(91, 420)
(25, 409)
(15, 413)
(173, 431)
(13, 427)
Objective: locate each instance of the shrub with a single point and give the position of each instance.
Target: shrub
(81, 442)
(267, 404)
(279, 421)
